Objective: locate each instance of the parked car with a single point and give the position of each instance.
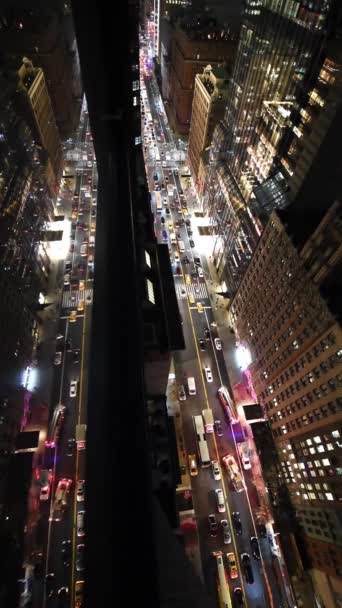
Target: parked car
(227, 537)
(202, 344)
(71, 447)
(192, 465)
(181, 393)
(80, 489)
(255, 547)
(216, 470)
(80, 558)
(58, 358)
(247, 568)
(50, 584)
(221, 507)
(238, 597)
(218, 428)
(233, 572)
(66, 552)
(218, 343)
(262, 529)
(208, 374)
(80, 523)
(213, 527)
(76, 356)
(237, 522)
(73, 388)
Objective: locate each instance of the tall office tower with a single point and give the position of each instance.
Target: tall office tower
(195, 44)
(288, 311)
(283, 78)
(32, 80)
(44, 33)
(209, 102)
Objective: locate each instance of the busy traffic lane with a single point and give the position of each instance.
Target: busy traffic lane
(194, 323)
(74, 334)
(191, 362)
(204, 486)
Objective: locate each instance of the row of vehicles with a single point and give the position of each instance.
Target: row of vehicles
(204, 425)
(222, 580)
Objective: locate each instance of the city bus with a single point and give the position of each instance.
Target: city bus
(159, 203)
(202, 445)
(222, 581)
(55, 426)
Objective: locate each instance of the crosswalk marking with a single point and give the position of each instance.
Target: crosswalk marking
(199, 291)
(72, 298)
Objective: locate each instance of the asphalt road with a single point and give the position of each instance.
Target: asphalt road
(78, 334)
(191, 362)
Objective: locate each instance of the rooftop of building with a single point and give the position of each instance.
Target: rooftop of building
(204, 27)
(215, 80)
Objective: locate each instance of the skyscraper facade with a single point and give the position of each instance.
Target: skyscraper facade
(209, 101)
(275, 94)
(194, 46)
(47, 136)
(287, 311)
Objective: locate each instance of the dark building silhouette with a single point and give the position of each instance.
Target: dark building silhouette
(44, 34)
(133, 337)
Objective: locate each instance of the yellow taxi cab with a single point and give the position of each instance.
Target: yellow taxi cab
(93, 226)
(170, 226)
(191, 299)
(188, 279)
(74, 215)
(81, 285)
(232, 565)
(73, 316)
(185, 211)
(80, 306)
(200, 307)
(192, 465)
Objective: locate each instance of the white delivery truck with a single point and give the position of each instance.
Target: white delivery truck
(181, 246)
(170, 189)
(191, 385)
(173, 238)
(208, 420)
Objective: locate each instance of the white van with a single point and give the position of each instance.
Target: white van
(191, 385)
(173, 238)
(221, 507)
(181, 246)
(84, 249)
(177, 258)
